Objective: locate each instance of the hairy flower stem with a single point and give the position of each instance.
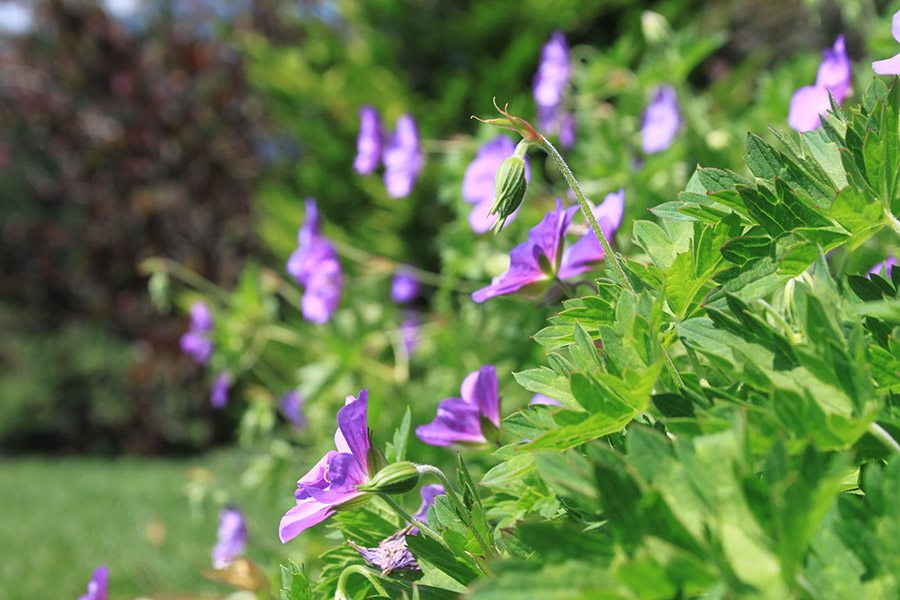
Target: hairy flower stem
(891, 219)
(410, 519)
(886, 438)
(612, 259)
(457, 503)
(340, 593)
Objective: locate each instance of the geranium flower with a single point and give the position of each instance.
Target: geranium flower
(811, 101)
(404, 287)
(478, 181)
(232, 538)
(315, 266)
(890, 66)
(403, 160)
(549, 86)
(369, 141)
(660, 120)
(885, 266)
(428, 493)
(533, 265)
(96, 588)
(196, 343)
(392, 554)
(332, 482)
(461, 419)
(291, 405)
(218, 393)
(409, 331)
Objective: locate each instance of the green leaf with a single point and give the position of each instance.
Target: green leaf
(545, 381)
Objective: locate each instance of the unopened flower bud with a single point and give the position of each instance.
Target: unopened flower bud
(509, 187)
(654, 26)
(396, 478)
(375, 460)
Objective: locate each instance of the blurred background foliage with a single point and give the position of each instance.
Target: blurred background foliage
(193, 130)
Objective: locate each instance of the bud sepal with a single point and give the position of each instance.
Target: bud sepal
(396, 478)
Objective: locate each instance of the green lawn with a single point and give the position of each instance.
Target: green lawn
(63, 517)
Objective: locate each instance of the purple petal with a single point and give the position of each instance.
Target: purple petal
(307, 513)
(311, 228)
(807, 105)
(391, 554)
(409, 334)
(218, 395)
(567, 130)
(428, 493)
(895, 26)
(552, 76)
(201, 316)
(402, 158)
(197, 346)
(322, 296)
(549, 233)
(542, 399)
(343, 474)
(888, 66)
(481, 389)
(369, 141)
(232, 538)
(580, 256)
(96, 588)
(523, 270)
(404, 288)
(456, 421)
(478, 181)
(885, 266)
(660, 120)
(291, 405)
(353, 425)
(315, 477)
(834, 72)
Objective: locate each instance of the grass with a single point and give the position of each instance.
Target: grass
(64, 516)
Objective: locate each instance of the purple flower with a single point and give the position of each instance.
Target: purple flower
(196, 343)
(291, 406)
(567, 130)
(218, 394)
(460, 419)
(428, 493)
(885, 266)
(96, 588)
(404, 287)
(369, 141)
(550, 81)
(811, 101)
(332, 482)
(409, 334)
(890, 66)
(478, 182)
(315, 266)
(660, 120)
(534, 264)
(403, 160)
(542, 399)
(392, 554)
(232, 541)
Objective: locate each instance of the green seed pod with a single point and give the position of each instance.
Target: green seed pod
(396, 478)
(509, 186)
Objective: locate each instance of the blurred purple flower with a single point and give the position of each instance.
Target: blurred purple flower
(660, 120)
(461, 419)
(232, 535)
(890, 66)
(534, 264)
(428, 493)
(392, 554)
(542, 399)
(196, 342)
(567, 130)
(404, 287)
(218, 394)
(291, 405)
(409, 334)
(15, 19)
(403, 160)
(478, 182)
(811, 101)
(332, 482)
(550, 82)
(96, 588)
(315, 266)
(885, 266)
(369, 141)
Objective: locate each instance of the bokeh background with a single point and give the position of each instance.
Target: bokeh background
(178, 138)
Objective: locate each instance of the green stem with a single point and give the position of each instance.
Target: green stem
(340, 593)
(892, 220)
(179, 271)
(457, 503)
(424, 528)
(611, 258)
(795, 339)
(886, 438)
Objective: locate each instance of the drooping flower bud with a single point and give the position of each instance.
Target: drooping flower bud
(655, 27)
(509, 187)
(396, 478)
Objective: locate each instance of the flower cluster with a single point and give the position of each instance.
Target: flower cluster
(549, 86)
(402, 155)
(196, 343)
(660, 121)
(811, 101)
(535, 264)
(315, 266)
(232, 538)
(478, 181)
(463, 419)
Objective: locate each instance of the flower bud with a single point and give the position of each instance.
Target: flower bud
(396, 478)
(509, 187)
(655, 27)
(375, 460)
(352, 503)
